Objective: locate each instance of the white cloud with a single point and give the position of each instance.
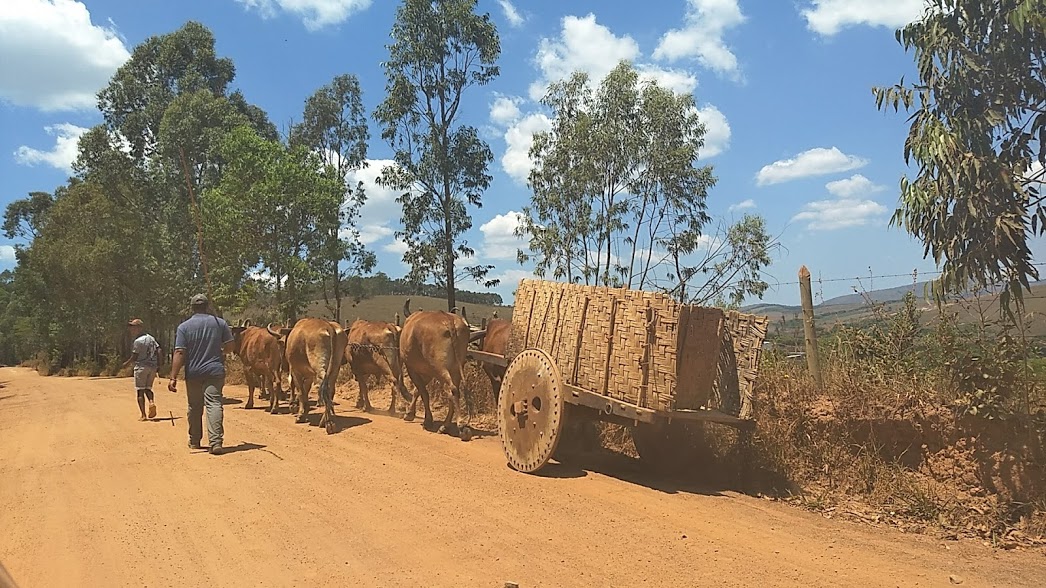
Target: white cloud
(499, 239)
(314, 14)
(373, 233)
(828, 17)
(381, 211)
(701, 37)
(709, 242)
(815, 162)
(510, 278)
(505, 110)
(717, 131)
(54, 58)
(62, 155)
(677, 80)
(1036, 173)
(583, 45)
(853, 187)
(743, 205)
(512, 15)
(7, 254)
(519, 137)
(397, 246)
(829, 215)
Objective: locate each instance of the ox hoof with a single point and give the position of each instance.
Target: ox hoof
(448, 429)
(330, 427)
(408, 417)
(248, 406)
(302, 419)
(465, 434)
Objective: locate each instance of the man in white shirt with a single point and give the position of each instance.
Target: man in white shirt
(145, 355)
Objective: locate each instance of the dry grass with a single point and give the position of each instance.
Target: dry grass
(885, 449)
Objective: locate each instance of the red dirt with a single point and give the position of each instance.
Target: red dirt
(91, 497)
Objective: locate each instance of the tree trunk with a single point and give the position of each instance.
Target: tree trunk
(337, 295)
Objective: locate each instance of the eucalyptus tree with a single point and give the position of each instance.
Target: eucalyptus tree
(439, 50)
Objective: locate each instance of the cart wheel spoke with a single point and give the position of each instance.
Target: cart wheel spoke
(530, 410)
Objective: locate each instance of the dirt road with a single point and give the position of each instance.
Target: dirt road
(89, 496)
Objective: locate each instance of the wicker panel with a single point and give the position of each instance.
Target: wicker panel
(636, 346)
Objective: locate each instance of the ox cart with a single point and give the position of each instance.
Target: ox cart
(631, 357)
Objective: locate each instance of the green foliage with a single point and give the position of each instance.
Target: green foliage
(619, 198)
(381, 285)
(286, 202)
(889, 346)
(439, 50)
(335, 126)
(23, 218)
(978, 137)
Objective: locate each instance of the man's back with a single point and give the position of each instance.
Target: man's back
(202, 337)
(145, 347)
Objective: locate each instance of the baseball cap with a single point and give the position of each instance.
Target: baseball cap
(135, 322)
(198, 300)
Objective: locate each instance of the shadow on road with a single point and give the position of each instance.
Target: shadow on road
(6, 397)
(166, 419)
(343, 422)
(631, 470)
(226, 400)
(555, 469)
(242, 447)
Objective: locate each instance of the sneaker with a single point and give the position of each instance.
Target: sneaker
(152, 410)
(194, 445)
(216, 450)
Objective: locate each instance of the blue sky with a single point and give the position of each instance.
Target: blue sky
(784, 89)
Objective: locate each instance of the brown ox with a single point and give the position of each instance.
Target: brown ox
(315, 352)
(261, 352)
(432, 347)
(374, 350)
(494, 340)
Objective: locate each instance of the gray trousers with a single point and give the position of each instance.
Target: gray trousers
(205, 392)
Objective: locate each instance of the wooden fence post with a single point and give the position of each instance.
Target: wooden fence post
(813, 362)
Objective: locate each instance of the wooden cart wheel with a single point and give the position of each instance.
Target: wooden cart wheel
(530, 410)
(668, 447)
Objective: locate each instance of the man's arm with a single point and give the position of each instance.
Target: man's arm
(228, 342)
(176, 366)
(132, 359)
(178, 360)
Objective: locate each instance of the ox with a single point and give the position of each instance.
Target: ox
(432, 347)
(373, 350)
(261, 351)
(494, 340)
(315, 352)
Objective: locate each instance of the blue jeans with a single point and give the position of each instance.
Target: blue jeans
(205, 392)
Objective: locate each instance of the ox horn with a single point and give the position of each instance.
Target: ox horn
(273, 332)
(406, 308)
(465, 315)
(495, 314)
(397, 319)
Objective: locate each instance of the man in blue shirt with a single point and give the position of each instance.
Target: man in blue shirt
(199, 344)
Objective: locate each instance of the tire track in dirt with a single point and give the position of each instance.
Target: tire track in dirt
(90, 496)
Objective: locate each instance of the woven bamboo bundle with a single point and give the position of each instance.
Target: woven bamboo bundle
(641, 347)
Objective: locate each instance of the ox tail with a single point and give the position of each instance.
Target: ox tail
(326, 385)
(455, 340)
